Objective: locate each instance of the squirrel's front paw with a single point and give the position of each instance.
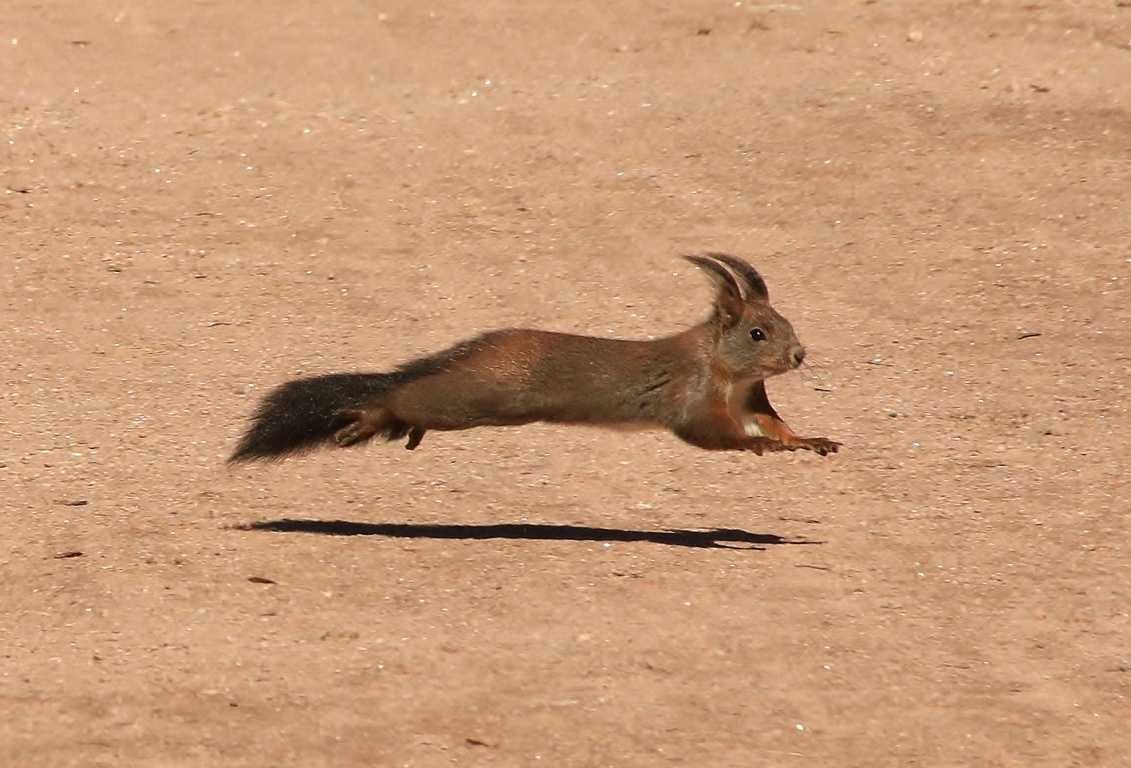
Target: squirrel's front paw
(820, 445)
(760, 445)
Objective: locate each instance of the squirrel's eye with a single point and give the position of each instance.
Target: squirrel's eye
(757, 334)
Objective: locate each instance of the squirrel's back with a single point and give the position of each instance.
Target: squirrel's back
(515, 377)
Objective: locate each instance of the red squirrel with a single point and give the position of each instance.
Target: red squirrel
(706, 384)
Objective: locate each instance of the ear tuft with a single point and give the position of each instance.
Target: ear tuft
(729, 303)
(755, 286)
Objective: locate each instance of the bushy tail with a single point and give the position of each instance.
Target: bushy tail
(303, 413)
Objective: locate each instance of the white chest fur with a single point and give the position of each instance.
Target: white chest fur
(736, 400)
(751, 427)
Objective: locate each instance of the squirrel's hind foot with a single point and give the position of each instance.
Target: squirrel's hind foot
(360, 426)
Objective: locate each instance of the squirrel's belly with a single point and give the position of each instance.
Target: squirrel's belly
(630, 426)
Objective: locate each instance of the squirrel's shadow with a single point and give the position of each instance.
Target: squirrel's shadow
(716, 538)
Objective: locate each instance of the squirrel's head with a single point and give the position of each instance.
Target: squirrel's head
(751, 338)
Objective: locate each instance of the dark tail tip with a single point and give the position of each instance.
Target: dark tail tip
(302, 414)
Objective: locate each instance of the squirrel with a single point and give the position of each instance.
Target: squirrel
(706, 384)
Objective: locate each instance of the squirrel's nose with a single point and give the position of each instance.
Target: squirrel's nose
(798, 355)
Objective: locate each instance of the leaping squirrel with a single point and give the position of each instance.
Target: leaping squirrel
(706, 384)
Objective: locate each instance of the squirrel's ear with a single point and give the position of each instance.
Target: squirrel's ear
(755, 286)
(729, 303)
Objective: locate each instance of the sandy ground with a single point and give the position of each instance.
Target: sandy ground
(204, 199)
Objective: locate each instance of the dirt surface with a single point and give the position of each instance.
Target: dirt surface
(204, 199)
